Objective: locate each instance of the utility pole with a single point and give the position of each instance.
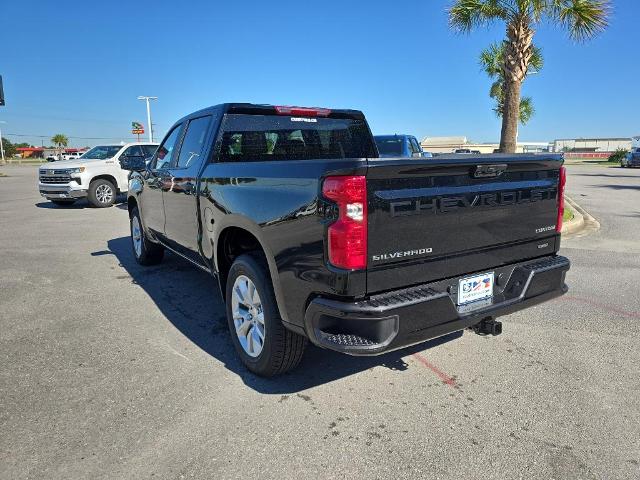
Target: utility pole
(1, 145)
(149, 126)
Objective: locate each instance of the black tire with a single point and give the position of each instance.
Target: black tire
(63, 203)
(149, 253)
(96, 190)
(282, 349)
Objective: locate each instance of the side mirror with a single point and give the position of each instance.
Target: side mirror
(135, 164)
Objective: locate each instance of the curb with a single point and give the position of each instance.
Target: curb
(582, 222)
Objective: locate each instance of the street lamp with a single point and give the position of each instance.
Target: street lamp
(148, 114)
(1, 145)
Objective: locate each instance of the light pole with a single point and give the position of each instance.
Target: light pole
(149, 126)
(1, 145)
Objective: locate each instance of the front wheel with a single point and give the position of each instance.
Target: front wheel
(264, 345)
(102, 193)
(145, 251)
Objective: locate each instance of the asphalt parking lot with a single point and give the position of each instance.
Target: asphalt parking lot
(110, 370)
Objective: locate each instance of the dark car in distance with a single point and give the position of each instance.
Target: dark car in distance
(313, 237)
(390, 146)
(631, 159)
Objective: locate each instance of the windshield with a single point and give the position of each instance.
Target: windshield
(102, 152)
(389, 146)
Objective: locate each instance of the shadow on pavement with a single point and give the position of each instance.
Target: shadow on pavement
(121, 202)
(619, 187)
(189, 298)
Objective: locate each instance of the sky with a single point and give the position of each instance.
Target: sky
(77, 67)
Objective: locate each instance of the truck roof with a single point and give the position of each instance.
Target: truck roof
(268, 109)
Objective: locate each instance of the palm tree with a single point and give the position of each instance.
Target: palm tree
(583, 19)
(491, 61)
(61, 141)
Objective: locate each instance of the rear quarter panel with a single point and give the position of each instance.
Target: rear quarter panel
(278, 203)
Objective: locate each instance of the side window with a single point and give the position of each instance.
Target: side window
(165, 150)
(149, 150)
(193, 144)
(415, 148)
(133, 151)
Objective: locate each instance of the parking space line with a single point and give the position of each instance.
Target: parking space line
(443, 376)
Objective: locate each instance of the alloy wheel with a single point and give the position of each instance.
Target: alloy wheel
(136, 236)
(104, 193)
(248, 316)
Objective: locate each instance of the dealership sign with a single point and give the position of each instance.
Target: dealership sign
(137, 128)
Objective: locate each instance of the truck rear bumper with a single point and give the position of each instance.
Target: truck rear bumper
(400, 318)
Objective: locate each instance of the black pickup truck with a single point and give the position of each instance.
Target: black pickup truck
(313, 237)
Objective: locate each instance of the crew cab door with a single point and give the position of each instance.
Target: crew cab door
(158, 178)
(180, 198)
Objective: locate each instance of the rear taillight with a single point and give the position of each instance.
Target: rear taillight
(348, 235)
(562, 180)
(303, 111)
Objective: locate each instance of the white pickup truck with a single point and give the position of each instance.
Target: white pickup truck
(96, 175)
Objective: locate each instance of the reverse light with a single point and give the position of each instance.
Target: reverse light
(562, 181)
(347, 236)
(303, 111)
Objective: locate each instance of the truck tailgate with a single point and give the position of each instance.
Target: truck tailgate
(447, 216)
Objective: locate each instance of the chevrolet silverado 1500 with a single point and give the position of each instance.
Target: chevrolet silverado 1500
(313, 237)
(96, 175)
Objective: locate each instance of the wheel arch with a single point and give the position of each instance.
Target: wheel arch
(109, 178)
(235, 239)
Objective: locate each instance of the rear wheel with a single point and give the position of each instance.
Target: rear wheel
(145, 251)
(102, 193)
(264, 345)
(63, 203)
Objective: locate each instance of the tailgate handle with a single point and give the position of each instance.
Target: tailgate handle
(485, 171)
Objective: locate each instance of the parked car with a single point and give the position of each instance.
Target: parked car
(390, 146)
(53, 158)
(631, 159)
(96, 175)
(313, 238)
(71, 155)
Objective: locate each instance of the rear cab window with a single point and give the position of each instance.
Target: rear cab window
(252, 138)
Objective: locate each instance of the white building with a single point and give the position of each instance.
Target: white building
(450, 144)
(592, 145)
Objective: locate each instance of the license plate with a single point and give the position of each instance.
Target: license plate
(475, 288)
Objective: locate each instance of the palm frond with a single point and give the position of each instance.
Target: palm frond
(536, 62)
(492, 58)
(527, 110)
(465, 15)
(583, 19)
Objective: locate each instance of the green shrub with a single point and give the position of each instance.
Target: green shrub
(618, 155)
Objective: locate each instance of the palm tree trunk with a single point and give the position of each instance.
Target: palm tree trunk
(510, 117)
(518, 51)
